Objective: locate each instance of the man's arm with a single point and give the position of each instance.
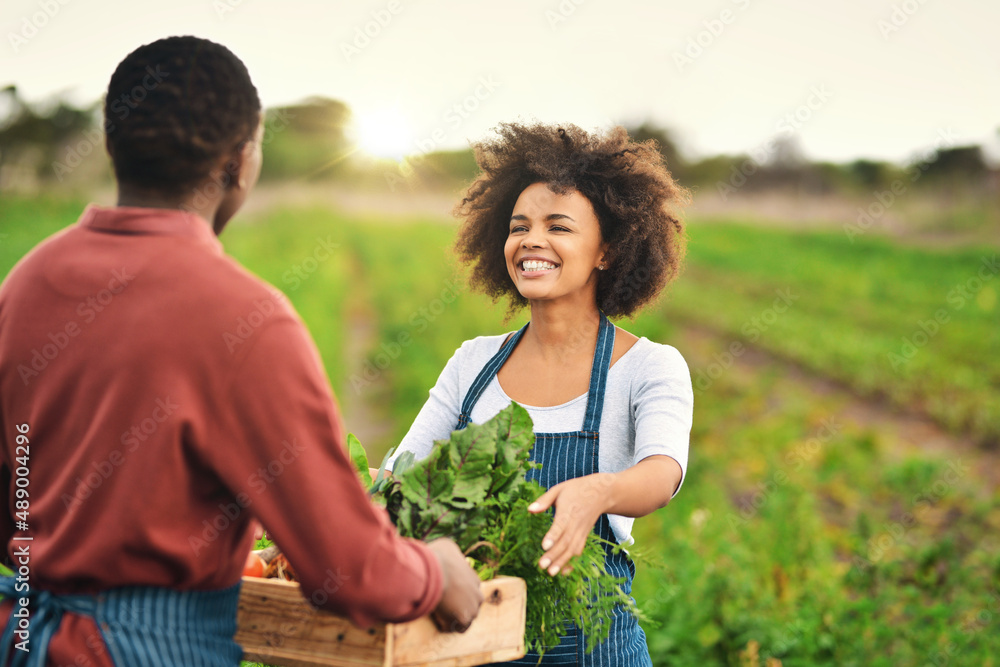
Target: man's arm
(281, 442)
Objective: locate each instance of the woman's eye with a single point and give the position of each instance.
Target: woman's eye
(519, 228)
(559, 229)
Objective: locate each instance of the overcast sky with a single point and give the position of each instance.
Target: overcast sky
(871, 78)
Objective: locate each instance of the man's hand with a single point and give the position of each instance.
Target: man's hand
(461, 596)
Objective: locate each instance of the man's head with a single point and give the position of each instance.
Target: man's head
(181, 113)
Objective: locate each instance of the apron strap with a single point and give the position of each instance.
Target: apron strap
(140, 625)
(486, 376)
(599, 376)
(45, 620)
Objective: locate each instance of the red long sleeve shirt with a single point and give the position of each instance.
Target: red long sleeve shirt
(171, 398)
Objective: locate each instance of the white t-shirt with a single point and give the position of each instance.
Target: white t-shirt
(648, 405)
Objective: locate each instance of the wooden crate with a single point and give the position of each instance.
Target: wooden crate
(276, 626)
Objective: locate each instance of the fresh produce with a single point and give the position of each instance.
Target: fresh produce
(280, 568)
(269, 563)
(254, 566)
(472, 489)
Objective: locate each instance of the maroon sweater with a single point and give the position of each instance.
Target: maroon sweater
(171, 398)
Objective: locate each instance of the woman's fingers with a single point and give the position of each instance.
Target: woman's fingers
(577, 508)
(569, 545)
(545, 500)
(565, 539)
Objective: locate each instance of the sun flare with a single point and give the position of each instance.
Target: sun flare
(384, 133)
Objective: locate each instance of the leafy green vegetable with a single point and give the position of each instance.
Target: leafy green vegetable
(360, 459)
(472, 489)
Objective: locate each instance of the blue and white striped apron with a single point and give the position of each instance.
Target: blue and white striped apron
(566, 456)
(142, 626)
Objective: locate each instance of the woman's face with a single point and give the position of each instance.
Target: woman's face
(554, 246)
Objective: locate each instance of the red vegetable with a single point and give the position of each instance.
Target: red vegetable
(254, 566)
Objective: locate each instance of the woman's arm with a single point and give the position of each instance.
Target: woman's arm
(644, 488)
(662, 402)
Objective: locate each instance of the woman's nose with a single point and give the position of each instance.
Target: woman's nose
(532, 240)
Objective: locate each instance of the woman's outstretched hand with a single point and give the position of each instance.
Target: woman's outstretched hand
(645, 487)
(579, 503)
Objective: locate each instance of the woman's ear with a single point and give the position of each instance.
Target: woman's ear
(603, 262)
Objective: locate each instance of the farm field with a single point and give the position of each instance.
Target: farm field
(841, 502)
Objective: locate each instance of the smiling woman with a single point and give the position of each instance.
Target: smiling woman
(580, 228)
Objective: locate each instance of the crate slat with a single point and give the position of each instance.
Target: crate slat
(276, 626)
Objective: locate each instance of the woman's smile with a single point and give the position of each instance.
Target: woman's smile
(533, 266)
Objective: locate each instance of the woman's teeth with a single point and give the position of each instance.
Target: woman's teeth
(537, 265)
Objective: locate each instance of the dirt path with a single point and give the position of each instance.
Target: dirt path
(401, 205)
(909, 431)
(358, 401)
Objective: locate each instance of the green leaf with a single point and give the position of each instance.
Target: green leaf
(471, 454)
(403, 463)
(381, 477)
(424, 485)
(360, 459)
(515, 438)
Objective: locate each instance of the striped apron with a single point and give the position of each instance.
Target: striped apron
(141, 625)
(566, 456)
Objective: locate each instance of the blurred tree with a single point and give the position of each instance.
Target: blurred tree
(870, 174)
(32, 137)
(668, 147)
(787, 153)
(306, 140)
(449, 168)
(955, 165)
(713, 169)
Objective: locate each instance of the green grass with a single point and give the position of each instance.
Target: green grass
(799, 531)
(914, 326)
